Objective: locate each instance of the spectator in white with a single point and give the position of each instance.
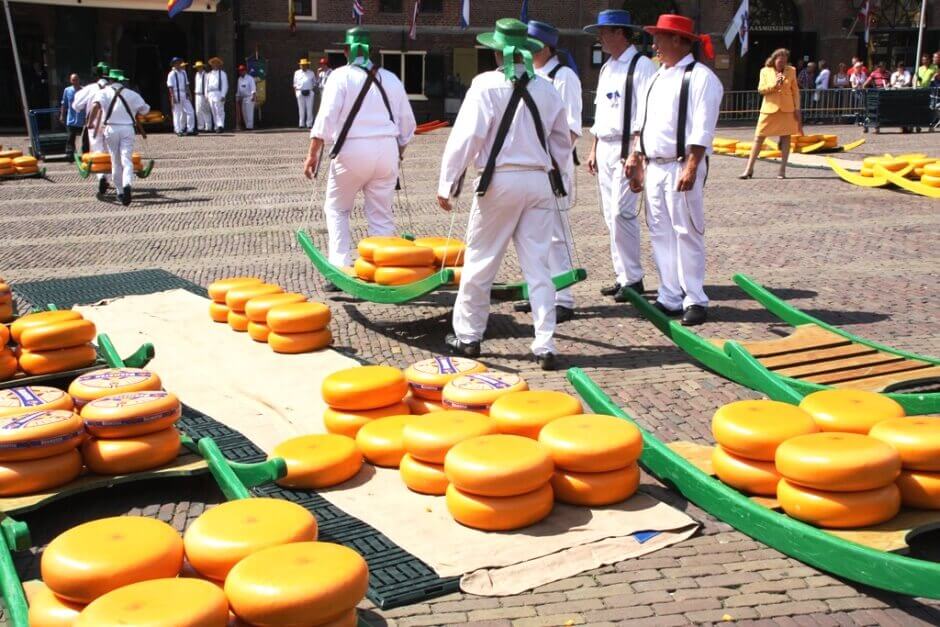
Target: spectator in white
(245, 93)
(304, 82)
(859, 76)
(177, 84)
(217, 89)
(841, 79)
(323, 73)
(822, 79)
(900, 78)
(203, 112)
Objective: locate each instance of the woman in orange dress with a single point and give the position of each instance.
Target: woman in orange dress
(779, 112)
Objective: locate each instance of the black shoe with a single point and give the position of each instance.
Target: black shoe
(546, 361)
(563, 314)
(464, 349)
(523, 307)
(621, 295)
(610, 290)
(694, 315)
(193, 134)
(126, 196)
(218, 130)
(329, 286)
(102, 186)
(672, 313)
(179, 134)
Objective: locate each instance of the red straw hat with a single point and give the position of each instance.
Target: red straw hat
(684, 27)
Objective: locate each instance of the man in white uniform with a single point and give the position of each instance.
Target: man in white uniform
(513, 127)
(367, 145)
(304, 83)
(625, 71)
(217, 90)
(84, 101)
(678, 117)
(203, 112)
(116, 109)
(245, 91)
(177, 84)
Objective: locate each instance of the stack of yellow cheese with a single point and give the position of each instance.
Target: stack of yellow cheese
(38, 444)
(54, 341)
(398, 263)
(743, 149)
(10, 154)
(526, 413)
(890, 164)
(448, 253)
(499, 482)
(131, 432)
(6, 166)
(838, 480)
(318, 461)
(917, 441)
(298, 327)
(477, 392)
(930, 173)
(595, 459)
(359, 396)
(218, 290)
(428, 377)
(257, 312)
(237, 297)
(427, 439)
(799, 142)
(26, 165)
(110, 381)
(748, 434)
(101, 161)
(724, 146)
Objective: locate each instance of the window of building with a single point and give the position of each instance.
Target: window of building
(409, 67)
(305, 9)
(390, 6)
(432, 6)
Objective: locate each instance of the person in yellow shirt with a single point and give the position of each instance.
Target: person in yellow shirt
(779, 112)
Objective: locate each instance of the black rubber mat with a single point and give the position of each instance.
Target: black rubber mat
(396, 577)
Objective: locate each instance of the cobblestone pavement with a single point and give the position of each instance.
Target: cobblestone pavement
(866, 259)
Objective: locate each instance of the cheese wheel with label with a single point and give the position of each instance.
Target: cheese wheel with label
(218, 289)
(41, 318)
(447, 252)
(39, 434)
(257, 308)
(25, 399)
(840, 462)
(110, 381)
(48, 362)
(476, 392)
(129, 414)
(368, 245)
(500, 513)
(399, 275)
(407, 256)
(348, 423)
(365, 270)
(38, 475)
(237, 297)
(850, 411)
(596, 489)
(755, 428)
(302, 583)
(427, 378)
(747, 475)
(298, 317)
(92, 559)
(48, 610)
(294, 343)
(428, 438)
(525, 413)
(422, 406)
(135, 454)
(218, 312)
(498, 465)
(364, 387)
(224, 535)
(237, 320)
(258, 331)
(382, 441)
(8, 364)
(920, 489)
(423, 477)
(57, 335)
(169, 602)
(591, 443)
(916, 439)
(839, 510)
(318, 461)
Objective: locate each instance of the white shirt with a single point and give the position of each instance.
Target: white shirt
(660, 109)
(568, 85)
(199, 83)
(858, 79)
(901, 78)
(304, 79)
(119, 115)
(608, 114)
(372, 120)
(216, 84)
(178, 82)
(322, 76)
(85, 97)
(474, 132)
(245, 86)
(822, 79)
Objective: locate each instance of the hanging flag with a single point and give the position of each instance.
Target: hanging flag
(524, 15)
(745, 28)
(175, 7)
(358, 11)
(739, 27)
(413, 30)
(464, 13)
(864, 15)
(291, 17)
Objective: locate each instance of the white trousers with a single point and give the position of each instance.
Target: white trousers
(619, 206)
(184, 118)
(248, 111)
(97, 143)
(120, 140)
(518, 206)
(203, 113)
(218, 111)
(304, 109)
(677, 234)
(369, 165)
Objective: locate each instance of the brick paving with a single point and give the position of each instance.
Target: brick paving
(223, 205)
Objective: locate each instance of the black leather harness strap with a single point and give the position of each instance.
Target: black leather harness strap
(118, 96)
(501, 132)
(554, 177)
(626, 130)
(371, 78)
(683, 110)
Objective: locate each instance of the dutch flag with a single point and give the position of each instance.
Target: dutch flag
(464, 13)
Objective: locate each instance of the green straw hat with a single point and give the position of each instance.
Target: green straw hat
(359, 41)
(511, 37)
(117, 75)
(103, 68)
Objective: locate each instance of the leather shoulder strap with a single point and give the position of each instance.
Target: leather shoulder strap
(354, 111)
(554, 72)
(626, 130)
(683, 110)
(646, 111)
(501, 132)
(554, 176)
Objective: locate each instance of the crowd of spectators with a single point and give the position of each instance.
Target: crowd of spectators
(815, 76)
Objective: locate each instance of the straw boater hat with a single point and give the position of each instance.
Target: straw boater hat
(304, 62)
(510, 37)
(116, 75)
(215, 62)
(102, 68)
(682, 26)
(359, 41)
(198, 65)
(611, 17)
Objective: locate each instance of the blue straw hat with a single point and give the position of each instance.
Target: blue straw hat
(544, 32)
(611, 17)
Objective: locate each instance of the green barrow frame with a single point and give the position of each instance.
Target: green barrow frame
(86, 172)
(399, 294)
(714, 358)
(888, 571)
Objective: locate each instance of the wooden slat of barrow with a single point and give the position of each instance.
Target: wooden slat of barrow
(806, 337)
(813, 356)
(838, 365)
(905, 366)
(879, 384)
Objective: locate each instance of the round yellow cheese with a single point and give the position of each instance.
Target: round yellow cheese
(407, 256)
(526, 413)
(134, 454)
(56, 335)
(850, 411)
(423, 477)
(596, 489)
(399, 275)
(258, 331)
(294, 343)
(48, 610)
(364, 270)
(8, 363)
(368, 245)
(41, 318)
(218, 289)
(237, 320)
(61, 360)
(218, 312)
(38, 434)
(298, 317)
(500, 513)
(839, 510)
(498, 465)
(427, 378)
(348, 423)
(755, 428)
(364, 387)
(129, 414)
(38, 475)
(237, 297)
(476, 392)
(916, 439)
(920, 489)
(747, 475)
(840, 462)
(110, 381)
(257, 308)
(382, 440)
(428, 438)
(174, 602)
(318, 461)
(591, 443)
(21, 400)
(447, 252)
(422, 406)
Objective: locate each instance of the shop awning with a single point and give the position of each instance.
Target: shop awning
(205, 6)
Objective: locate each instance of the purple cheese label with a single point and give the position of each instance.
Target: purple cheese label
(496, 384)
(467, 406)
(27, 397)
(446, 365)
(51, 441)
(137, 420)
